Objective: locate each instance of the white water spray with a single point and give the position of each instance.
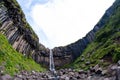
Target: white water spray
(52, 66)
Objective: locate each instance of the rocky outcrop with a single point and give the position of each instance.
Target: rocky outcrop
(19, 33)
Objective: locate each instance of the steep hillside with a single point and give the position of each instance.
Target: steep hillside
(19, 33)
(105, 49)
(12, 62)
(69, 53)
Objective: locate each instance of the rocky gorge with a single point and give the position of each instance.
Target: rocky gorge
(24, 40)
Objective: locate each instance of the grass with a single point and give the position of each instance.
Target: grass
(12, 61)
(106, 45)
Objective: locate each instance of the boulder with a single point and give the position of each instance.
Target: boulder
(96, 67)
(92, 69)
(33, 72)
(70, 70)
(89, 77)
(81, 72)
(71, 73)
(67, 78)
(6, 77)
(104, 72)
(71, 78)
(78, 77)
(99, 71)
(19, 76)
(119, 63)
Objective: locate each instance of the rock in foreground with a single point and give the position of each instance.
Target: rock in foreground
(113, 73)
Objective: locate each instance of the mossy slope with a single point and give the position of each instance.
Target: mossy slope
(105, 47)
(12, 62)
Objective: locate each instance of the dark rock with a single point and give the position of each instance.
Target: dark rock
(45, 76)
(78, 77)
(92, 69)
(64, 73)
(71, 78)
(118, 73)
(99, 71)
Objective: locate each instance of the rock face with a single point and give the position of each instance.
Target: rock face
(24, 40)
(18, 32)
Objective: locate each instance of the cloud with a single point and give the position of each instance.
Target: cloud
(61, 22)
(65, 21)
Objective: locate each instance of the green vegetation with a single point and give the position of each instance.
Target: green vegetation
(13, 4)
(106, 45)
(12, 61)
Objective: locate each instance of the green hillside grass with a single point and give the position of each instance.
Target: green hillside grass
(106, 45)
(12, 61)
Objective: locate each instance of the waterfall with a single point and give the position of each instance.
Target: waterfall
(52, 67)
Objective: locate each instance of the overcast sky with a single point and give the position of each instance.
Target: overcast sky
(61, 22)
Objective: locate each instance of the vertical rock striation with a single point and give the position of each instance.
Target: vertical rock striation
(18, 32)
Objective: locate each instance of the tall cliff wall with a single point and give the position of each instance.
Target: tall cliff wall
(20, 35)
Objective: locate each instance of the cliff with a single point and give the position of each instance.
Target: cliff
(21, 36)
(71, 52)
(19, 33)
(105, 49)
